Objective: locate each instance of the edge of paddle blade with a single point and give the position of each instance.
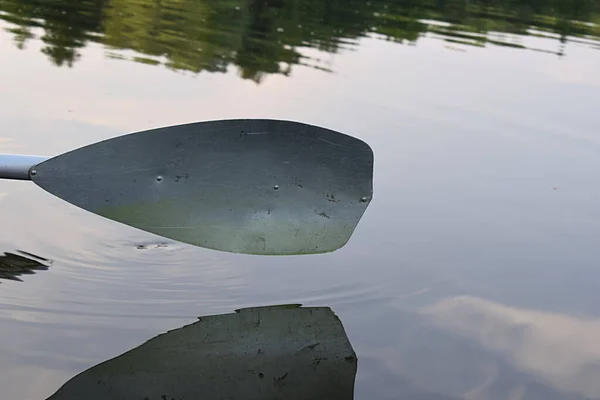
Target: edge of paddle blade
(254, 186)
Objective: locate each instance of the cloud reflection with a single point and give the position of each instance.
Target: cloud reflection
(558, 349)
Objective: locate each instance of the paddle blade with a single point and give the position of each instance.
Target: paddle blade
(244, 186)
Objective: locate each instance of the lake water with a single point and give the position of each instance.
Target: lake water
(474, 272)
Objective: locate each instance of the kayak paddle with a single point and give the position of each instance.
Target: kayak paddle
(254, 186)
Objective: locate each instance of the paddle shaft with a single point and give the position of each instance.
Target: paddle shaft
(18, 167)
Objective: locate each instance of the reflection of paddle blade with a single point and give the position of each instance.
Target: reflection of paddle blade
(267, 353)
(245, 186)
(14, 265)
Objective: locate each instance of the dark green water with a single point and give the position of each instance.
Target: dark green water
(472, 275)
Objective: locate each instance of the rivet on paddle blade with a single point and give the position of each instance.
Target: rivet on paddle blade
(33, 172)
(159, 178)
(276, 187)
(364, 199)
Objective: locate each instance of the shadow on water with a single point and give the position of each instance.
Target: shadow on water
(13, 265)
(263, 37)
(274, 352)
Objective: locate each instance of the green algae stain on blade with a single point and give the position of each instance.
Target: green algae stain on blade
(261, 232)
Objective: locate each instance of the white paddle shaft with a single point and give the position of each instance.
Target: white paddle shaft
(16, 166)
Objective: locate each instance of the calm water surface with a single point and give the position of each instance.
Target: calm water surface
(474, 273)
